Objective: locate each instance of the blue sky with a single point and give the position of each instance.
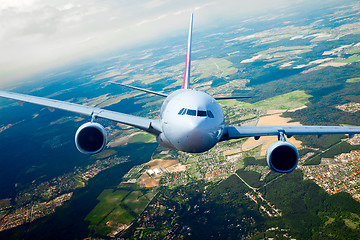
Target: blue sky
(36, 35)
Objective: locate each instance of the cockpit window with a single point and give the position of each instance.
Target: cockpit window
(182, 111)
(201, 113)
(209, 113)
(191, 112)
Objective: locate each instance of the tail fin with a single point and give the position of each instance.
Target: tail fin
(186, 83)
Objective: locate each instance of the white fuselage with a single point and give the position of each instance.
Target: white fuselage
(191, 121)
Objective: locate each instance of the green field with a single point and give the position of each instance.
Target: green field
(234, 102)
(142, 137)
(117, 207)
(219, 67)
(285, 101)
(136, 201)
(353, 80)
(355, 51)
(109, 202)
(351, 59)
(105, 154)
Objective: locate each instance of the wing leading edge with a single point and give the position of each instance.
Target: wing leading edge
(148, 125)
(289, 131)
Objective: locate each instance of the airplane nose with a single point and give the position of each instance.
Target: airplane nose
(195, 138)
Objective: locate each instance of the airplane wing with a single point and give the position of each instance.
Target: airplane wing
(148, 125)
(241, 132)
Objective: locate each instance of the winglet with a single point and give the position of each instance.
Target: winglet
(186, 83)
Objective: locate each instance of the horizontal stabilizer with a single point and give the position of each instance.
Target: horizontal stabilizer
(140, 89)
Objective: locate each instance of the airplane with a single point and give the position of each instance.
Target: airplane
(190, 121)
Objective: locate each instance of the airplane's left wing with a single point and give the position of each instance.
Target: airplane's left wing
(149, 125)
(289, 131)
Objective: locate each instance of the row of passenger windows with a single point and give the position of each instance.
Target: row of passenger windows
(199, 113)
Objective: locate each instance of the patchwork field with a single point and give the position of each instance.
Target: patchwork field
(117, 209)
(270, 120)
(285, 101)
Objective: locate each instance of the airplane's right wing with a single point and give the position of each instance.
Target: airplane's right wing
(289, 131)
(148, 125)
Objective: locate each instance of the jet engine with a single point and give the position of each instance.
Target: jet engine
(282, 157)
(90, 138)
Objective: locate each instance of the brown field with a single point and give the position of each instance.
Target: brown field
(147, 180)
(121, 140)
(270, 120)
(153, 181)
(295, 109)
(275, 111)
(231, 152)
(161, 163)
(177, 168)
(334, 64)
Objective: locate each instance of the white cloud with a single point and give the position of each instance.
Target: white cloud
(19, 5)
(40, 34)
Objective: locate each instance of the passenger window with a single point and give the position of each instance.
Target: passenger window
(210, 115)
(182, 111)
(201, 113)
(191, 112)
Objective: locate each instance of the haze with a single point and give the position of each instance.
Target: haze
(37, 35)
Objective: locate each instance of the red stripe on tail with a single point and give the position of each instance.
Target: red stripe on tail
(186, 82)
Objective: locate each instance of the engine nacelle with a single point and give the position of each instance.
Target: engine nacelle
(90, 138)
(282, 157)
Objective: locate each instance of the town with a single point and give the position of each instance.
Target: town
(170, 170)
(41, 199)
(340, 174)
